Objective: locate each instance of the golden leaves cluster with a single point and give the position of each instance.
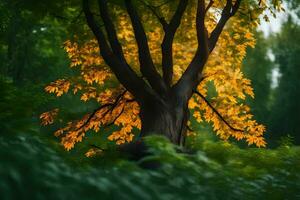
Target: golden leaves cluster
(223, 70)
(58, 87)
(122, 113)
(47, 118)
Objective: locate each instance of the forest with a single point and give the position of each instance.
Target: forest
(150, 99)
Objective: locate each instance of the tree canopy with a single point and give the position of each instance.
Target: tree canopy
(190, 51)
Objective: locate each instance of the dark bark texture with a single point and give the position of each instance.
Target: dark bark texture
(165, 116)
(163, 105)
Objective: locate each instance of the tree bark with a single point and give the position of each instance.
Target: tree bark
(165, 116)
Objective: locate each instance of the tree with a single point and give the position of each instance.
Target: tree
(285, 110)
(163, 74)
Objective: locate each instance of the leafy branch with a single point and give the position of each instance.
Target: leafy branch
(217, 112)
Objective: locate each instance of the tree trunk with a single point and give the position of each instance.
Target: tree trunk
(166, 117)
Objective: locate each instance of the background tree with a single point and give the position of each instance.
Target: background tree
(30, 31)
(286, 107)
(30, 56)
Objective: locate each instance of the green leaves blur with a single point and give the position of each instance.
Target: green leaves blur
(31, 169)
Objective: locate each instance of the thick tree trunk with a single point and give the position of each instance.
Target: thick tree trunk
(159, 117)
(165, 117)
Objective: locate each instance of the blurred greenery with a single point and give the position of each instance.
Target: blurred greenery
(31, 169)
(277, 98)
(285, 111)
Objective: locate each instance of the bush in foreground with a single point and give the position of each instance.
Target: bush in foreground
(216, 170)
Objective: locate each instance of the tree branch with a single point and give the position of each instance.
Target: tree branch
(105, 50)
(146, 63)
(215, 111)
(113, 105)
(153, 10)
(114, 120)
(111, 31)
(189, 128)
(123, 108)
(127, 77)
(162, 4)
(211, 2)
(167, 43)
(97, 147)
(228, 11)
(192, 75)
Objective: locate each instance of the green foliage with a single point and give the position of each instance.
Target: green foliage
(31, 40)
(31, 169)
(19, 106)
(286, 109)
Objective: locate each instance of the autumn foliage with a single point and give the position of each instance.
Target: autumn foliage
(225, 110)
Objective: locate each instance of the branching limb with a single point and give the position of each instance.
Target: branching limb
(114, 120)
(110, 110)
(153, 9)
(127, 77)
(97, 147)
(111, 105)
(111, 31)
(228, 11)
(164, 3)
(167, 43)
(189, 128)
(211, 2)
(215, 111)
(146, 63)
(192, 76)
(259, 3)
(104, 47)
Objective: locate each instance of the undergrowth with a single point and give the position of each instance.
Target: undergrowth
(31, 169)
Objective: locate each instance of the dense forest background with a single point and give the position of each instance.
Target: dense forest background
(33, 163)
